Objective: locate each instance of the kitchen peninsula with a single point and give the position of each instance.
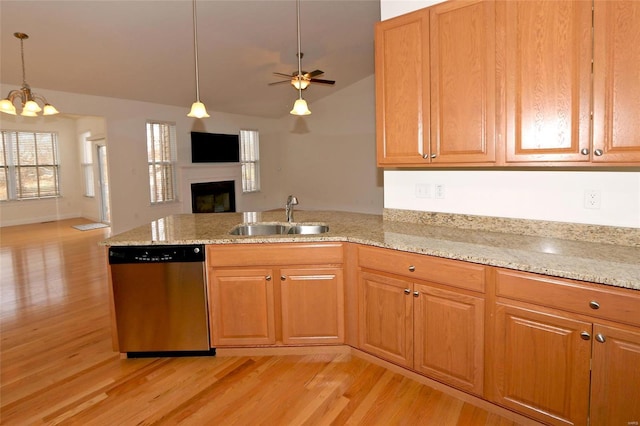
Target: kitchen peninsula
(500, 310)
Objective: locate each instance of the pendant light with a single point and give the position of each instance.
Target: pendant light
(300, 106)
(30, 107)
(198, 109)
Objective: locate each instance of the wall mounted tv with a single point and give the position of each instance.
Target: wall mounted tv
(214, 148)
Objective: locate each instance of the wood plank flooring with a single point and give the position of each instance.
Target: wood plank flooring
(58, 367)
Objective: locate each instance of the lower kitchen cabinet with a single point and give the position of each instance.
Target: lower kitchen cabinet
(557, 355)
(291, 294)
(241, 307)
(312, 305)
(431, 328)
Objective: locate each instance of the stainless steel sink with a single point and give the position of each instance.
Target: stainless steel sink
(279, 229)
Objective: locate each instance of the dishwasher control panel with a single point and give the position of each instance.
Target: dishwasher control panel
(156, 254)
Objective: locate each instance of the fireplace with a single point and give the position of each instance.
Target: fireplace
(213, 197)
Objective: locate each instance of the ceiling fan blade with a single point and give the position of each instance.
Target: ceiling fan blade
(284, 75)
(314, 73)
(279, 82)
(317, 80)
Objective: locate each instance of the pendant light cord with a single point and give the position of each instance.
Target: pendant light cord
(195, 49)
(24, 73)
(299, 54)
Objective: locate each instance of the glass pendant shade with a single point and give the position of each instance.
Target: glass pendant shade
(300, 83)
(49, 110)
(7, 107)
(300, 108)
(31, 106)
(198, 110)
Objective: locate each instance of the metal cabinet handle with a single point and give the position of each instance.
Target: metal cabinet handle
(407, 291)
(598, 152)
(584, 151)
(268, 278)
(416, 293)
(600, 338)
(585, 336)
(412, 268)
(283, 277)
(594, 305)
(433, 155)
(425, 156)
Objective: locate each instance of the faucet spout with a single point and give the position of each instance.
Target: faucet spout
(288, 208)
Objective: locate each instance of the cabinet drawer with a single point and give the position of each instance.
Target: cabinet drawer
(422, 267)
(274, 254)
(615, 304)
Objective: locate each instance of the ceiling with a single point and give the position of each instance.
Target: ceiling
(143, 49)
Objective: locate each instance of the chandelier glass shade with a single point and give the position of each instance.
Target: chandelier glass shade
(198, 110)
(28, 99)
(300, 106)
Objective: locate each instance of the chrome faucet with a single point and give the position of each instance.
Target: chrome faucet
(288, 208)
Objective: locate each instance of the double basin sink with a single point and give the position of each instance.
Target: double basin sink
(279, 229)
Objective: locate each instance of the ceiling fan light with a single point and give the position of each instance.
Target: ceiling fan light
(49, 110)
(7, 107)
(198, 110)
(300, 83)
(300, 108)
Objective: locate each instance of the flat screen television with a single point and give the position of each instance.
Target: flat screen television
(214, 148)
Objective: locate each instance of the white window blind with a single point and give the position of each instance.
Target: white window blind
(86, 155)
(30, 165)
(161, 152)
(250, 160)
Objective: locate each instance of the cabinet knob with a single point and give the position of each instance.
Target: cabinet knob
(425, 156)
(283, 277)
(600, 338)
(594, 305)
(416, 293)
(407, 291)
(412, 268)
(598, 152)
(433, 155)
(585, 336)
(268, 278)
(584, 151)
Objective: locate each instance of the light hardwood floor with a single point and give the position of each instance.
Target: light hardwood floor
(58, 367)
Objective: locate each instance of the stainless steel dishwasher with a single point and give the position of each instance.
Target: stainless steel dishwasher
(160, 300)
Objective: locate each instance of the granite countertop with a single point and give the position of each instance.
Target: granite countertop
(598, 262)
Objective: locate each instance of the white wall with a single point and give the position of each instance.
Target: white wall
(328, 158)
(541, 195)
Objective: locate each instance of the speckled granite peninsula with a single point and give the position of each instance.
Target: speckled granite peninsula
(598, 254)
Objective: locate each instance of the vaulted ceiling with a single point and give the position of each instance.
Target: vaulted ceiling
(143, 49)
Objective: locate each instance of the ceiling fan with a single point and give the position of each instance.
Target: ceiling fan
(303, 79)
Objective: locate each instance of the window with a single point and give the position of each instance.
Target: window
(29, 166)
(86, 162)
(161, 142)
(250, 159)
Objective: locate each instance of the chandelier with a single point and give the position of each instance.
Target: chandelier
(30, 107)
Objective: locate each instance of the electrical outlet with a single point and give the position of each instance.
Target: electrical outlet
(423, 190)
(592, 199)
(439, 190)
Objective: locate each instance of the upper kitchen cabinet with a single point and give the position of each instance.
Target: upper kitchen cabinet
(435, 86)
(616, 77)
(547, 67)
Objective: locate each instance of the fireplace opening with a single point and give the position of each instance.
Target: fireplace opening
(213, 197)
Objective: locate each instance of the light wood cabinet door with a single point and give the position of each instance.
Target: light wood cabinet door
(402, 89)
(541, 364)
(241, 305)
(616, 376)
(616, 98)
(386, 318)
(449, 337)
(463, 82)
(312, 306)
(548, 51)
